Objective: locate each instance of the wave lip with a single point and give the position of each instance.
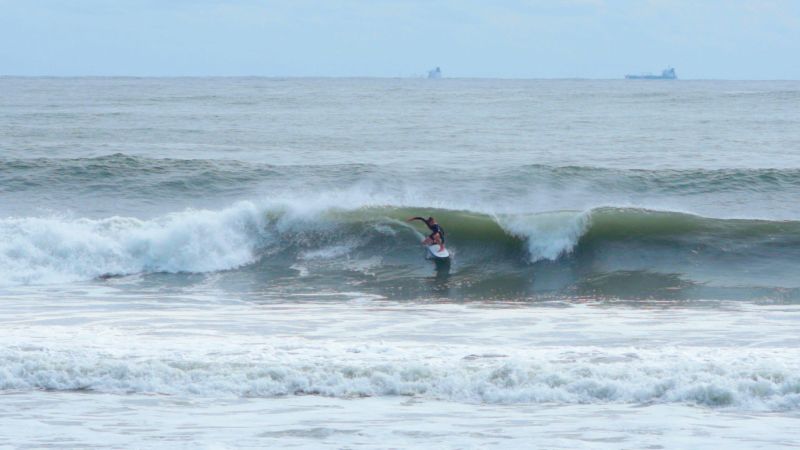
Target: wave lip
(547, 236)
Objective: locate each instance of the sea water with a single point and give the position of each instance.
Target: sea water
(211, 262)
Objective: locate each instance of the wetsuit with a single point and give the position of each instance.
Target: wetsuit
(435, 228)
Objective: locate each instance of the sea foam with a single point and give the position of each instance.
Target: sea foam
(718, 378)
(548, 236)
(54, 250)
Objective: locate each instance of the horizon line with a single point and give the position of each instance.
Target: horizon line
(377, 77)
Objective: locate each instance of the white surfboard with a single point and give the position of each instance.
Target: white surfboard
(434, 251)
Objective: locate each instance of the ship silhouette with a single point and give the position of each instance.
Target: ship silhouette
(666, 74)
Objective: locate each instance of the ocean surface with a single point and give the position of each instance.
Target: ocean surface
(224, 263)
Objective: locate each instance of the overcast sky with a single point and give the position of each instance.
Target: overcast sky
(733, 39)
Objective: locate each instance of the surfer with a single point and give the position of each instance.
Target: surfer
(437, 234)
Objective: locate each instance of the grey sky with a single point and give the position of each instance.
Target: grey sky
(740, 39)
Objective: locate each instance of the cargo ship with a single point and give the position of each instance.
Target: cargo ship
(666, 74)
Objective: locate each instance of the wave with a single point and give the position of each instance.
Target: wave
(162, 177)
(587, 250)
(676, 181)
(749, 379)
(556, 234)
(57, 250)
(145, 176)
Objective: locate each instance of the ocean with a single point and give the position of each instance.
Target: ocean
(225, 263)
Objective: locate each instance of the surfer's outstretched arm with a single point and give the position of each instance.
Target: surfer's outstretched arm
(416, 218)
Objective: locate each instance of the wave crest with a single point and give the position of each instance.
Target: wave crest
(59, 249)
(54, 250)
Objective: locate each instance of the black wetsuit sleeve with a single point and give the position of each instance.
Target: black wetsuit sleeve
(419, 218)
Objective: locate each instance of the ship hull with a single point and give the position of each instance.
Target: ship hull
(648, 77)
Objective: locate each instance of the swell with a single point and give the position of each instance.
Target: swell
(127, 174)
(677, 181)
(116, 172)
(637, 223)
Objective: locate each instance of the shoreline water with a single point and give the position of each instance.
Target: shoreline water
(729, 371)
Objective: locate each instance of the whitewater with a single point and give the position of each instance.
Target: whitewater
(225, 263)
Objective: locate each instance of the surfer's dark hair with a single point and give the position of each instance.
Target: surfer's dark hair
(430, 219)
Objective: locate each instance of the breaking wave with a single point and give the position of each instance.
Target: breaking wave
(38, 250)
(737, 378)
(55, 250)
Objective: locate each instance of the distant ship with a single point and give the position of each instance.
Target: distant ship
(435, 73)
(666, 74)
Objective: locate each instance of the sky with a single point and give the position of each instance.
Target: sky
(717, 39)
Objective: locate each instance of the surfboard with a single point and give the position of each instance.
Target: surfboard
(433, 251)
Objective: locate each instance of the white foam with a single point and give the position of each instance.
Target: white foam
(329, 252)
(742, 379)
(57, 249)
(547, 235)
